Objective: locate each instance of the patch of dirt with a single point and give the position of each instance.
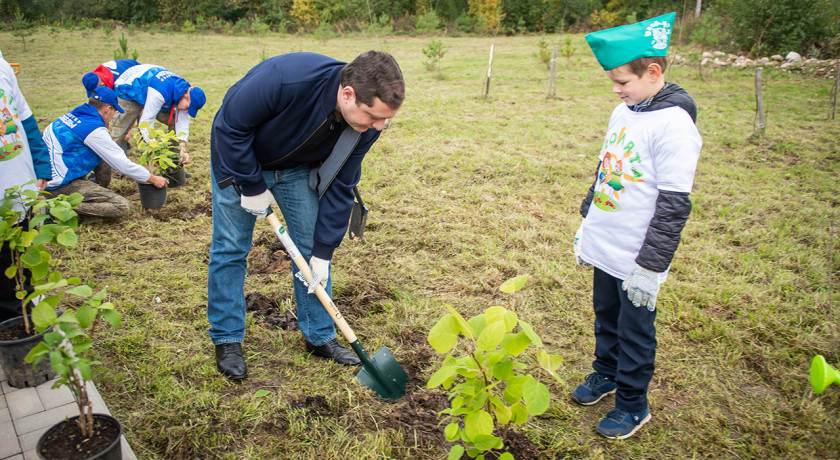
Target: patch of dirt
(203, 208)
(268, 256)
(269, 312)
(417, 415)
(358, 300)
(314, 406)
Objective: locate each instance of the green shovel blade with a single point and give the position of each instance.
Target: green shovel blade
(822, 374)
(381, 372)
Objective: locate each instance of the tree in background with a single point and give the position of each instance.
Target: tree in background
(488, 13)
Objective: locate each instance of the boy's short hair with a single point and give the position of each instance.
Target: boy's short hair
(97, 104)
(375, 74)
(640, 66)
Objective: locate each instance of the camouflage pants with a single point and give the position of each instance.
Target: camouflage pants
(98, 201)
(120, 126)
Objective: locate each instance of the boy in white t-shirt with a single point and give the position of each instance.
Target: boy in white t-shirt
(633, 214)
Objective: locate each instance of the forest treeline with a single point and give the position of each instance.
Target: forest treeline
(754, 27)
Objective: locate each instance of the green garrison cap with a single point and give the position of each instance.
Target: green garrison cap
(620, 45)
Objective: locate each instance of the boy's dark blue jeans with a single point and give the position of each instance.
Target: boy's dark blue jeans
(625, 342)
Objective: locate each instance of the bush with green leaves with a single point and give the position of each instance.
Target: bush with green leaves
(157, 152)
(486, 372)
(32, 245)
(70, 338)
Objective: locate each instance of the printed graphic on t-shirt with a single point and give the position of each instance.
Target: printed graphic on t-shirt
(617, 169)
(9, 133)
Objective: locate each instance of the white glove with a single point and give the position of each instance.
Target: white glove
(576, 247)
(258, 204)
(320, 273)
(642, 285)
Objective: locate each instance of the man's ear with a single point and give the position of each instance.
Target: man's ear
(654, 71)
(348, 94)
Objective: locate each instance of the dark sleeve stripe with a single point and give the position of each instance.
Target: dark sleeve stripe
(663, 234)
(584, 206)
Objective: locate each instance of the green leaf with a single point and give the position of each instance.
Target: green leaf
(506, 456)
(67, 238)
(43, 316)
(516, 343)
(529, 331)
(262, 393)
(37, 353)
(82, 291)
(452, 432)
(111, 316)
(486, 442)
(502, 412)
(514, 284)
(493, 314)
(444, 334)
(440, 376)
(455, 452)
(86, 315)
(478, 423)
(81, 347)
(83, 368)
(491, 336)
(547, 361)
(503, 370)
(10, 272)
(536, 397)
(513, 390)
(464, 327)
(519, 413)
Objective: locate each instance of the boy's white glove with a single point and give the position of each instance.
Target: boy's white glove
(320, 273)
(258, 204)
(576, 247)
(642, 285)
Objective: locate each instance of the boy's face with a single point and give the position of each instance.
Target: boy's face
(633, 89)
(184, 102)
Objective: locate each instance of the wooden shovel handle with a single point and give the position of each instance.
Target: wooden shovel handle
(301, 264)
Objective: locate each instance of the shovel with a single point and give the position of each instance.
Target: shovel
(381, 373)
(358, 217)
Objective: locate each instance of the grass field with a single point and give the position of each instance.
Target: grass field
(466, 192)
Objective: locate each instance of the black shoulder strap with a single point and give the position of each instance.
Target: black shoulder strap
(320, 178)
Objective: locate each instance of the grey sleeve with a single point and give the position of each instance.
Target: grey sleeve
(584, 206)
(663, 234)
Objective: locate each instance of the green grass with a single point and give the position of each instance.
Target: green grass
(466, 192)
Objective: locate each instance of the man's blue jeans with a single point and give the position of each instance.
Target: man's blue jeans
(233, 229)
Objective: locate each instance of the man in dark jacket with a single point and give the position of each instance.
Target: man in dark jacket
(276, 124)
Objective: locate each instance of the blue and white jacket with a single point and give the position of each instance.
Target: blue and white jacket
(280, 115)
(78, 141)
(157, 90)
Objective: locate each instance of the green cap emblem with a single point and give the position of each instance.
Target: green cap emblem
(620, 45)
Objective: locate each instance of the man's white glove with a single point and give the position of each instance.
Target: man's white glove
(257, 204)
(642, 285)
(320, 273)
(576, 247)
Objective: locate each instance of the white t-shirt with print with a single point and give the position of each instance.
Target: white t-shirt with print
(643, 153)
(15, 158)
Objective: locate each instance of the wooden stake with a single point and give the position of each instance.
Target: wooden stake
(759, 100)
(834, 93)
(551, 77)
(489, 67)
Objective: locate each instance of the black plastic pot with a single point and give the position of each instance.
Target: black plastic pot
(112, 452)
(151, 197)
(177, 177)
(19, 373)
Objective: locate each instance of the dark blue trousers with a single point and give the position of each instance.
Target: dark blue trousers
(625, 342)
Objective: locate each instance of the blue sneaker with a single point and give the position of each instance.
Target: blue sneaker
(593, 389)
(620, 424)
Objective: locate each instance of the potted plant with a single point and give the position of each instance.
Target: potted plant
(161, 159)
(32, 266)
(87, 435)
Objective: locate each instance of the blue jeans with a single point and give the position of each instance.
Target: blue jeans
(233, 229)
(625, 342)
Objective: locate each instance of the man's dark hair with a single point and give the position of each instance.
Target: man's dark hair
(375, 74)
(640, 66)
(97, 104)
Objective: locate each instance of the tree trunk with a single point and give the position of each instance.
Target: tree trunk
(697, 9)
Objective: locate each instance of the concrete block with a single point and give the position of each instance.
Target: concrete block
(5, 417)
(10, 445)
(29, 440)
(54, 397)
(23, 402)
(43, 420)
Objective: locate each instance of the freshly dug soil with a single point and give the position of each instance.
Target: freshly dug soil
(16, 332)
(67, 443)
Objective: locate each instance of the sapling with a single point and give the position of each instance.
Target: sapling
(70, 337)
(32, 244)
(435, 53)
(486, 374)
(156, 153)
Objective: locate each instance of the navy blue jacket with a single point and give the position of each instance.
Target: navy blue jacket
(280, 115)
